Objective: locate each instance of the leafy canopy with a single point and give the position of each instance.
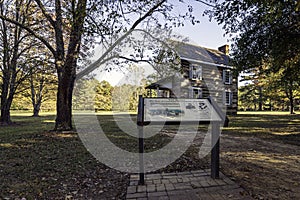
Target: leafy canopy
(266, 31)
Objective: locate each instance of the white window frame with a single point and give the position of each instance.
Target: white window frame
(194, 95)
(227, 76)
(195, 72)
(165, 93)
(227, 97)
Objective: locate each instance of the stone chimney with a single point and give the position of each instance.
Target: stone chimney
(224, 49)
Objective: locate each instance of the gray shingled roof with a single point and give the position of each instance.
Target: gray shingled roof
(166, 83)
(194, 52)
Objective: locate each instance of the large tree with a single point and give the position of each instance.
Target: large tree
(14, 49)
(67, 26)
(59, 26)
(267, 31)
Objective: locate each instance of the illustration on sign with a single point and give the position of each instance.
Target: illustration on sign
(166, 109)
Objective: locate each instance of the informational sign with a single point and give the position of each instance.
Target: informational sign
(175, 111)
(179, 110)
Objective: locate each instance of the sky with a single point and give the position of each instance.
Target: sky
(206, 34)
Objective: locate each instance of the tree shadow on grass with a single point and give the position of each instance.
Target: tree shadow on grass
(38, 164)
(282, 128)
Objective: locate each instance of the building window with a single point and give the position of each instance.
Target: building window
(166, 93)
(195, 93)
(227, 98)
(227, 76)
(195, 72)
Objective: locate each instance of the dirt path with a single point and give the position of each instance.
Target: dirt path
(266, 169)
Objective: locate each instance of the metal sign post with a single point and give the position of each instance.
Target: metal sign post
(140, 121)
(215, 152)
(176, 111)
(141, 156)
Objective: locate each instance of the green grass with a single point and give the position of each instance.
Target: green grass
(279, 126)
(265, 112)
(128, 142)
(39, 164)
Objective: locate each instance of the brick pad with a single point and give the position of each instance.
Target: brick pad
(157, 194)
(136, 195)
(185, 186)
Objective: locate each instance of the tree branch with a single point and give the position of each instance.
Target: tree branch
(59, 31)
(95, 65)
(42, 7)
(134, 60)
(149, 13)
(205, 3)
(43, 40)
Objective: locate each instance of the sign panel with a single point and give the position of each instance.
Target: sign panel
(176, 110)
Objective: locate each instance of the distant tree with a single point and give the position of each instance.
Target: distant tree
(14, 45)
(121, 97)
(253, 91)
(103, 98)
(247, 97)
(42, 85)
(282, 89)
(125, 97)
(271, 91)
(85, 94)
(134, 98)
(38, 87)
(266, 32)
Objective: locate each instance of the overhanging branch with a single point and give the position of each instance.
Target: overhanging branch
(95, 65)
(43, 40)
(205, 3)
(134, 60)
(42, 7)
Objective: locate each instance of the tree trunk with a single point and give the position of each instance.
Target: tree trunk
(290, 95)
(9, 65)
(260, 99)
(67, 70)
(64, 103)
(5, 115)
(5, 101)
(66, 81)
(291, 98)
(36, 110)
(36, 95)
(292, 106)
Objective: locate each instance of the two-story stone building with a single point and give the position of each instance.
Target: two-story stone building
(204, 72)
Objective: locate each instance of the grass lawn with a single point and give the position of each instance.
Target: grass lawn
(261, 151)
(39, 164)
(279, 126)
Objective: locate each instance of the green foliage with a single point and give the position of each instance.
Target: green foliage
(90, 94)
(247, 97)
(267, 34)
(267, 31)
(103, 98)
(267, 92)
(70, 30)
(38, 91)
(15, 53)
(125, 97)
(84, 94)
